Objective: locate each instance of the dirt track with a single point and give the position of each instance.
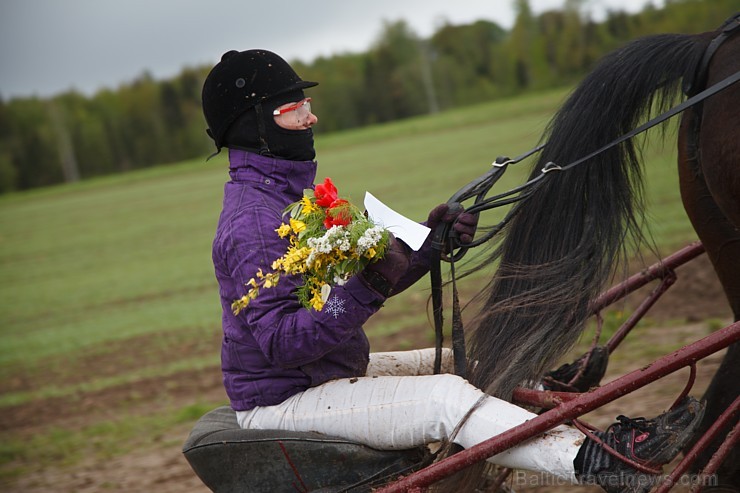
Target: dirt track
(158, 465)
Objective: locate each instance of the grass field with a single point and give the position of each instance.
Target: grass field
(107, 283)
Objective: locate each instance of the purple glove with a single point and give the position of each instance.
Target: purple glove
(463, 223)
(386, 272)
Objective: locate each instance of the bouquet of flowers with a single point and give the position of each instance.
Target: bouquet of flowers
(330, 240)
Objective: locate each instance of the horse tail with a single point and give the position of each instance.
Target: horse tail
(564, 241)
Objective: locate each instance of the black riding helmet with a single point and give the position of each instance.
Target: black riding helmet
(244, 81)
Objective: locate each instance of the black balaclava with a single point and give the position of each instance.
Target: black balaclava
(294, 145)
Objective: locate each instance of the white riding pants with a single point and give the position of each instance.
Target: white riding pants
(399, 404)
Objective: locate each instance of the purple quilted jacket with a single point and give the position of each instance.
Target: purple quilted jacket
(276, 348)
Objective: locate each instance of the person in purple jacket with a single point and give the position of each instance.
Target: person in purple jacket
(287, 367)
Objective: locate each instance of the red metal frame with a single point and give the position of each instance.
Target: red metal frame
(565, 406)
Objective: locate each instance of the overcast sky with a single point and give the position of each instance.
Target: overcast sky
(49, 46)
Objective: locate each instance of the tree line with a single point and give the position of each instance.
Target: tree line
(147, 122)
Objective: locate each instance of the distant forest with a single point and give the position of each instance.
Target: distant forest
(147, 122)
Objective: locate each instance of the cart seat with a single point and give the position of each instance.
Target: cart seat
(229, 459)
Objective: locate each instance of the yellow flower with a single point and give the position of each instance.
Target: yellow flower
(371, 253)
(316, 302)
(294, 254)
(283, 230)
(239, 305)
(318, 262)
(307, 205)
(297, 226)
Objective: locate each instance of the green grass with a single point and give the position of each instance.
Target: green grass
(125, 258)
(127, 255)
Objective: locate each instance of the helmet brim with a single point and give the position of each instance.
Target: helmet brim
(300, 85)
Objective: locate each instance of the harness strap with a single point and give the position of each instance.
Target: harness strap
(435, 274)
(458, 334)
(444, 236)
(690, 87)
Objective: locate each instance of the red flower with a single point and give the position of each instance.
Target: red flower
(338, 214)
(325, 193)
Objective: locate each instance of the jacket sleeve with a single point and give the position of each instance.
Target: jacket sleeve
(288, 334)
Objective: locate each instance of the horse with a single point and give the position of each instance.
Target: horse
(561, 245)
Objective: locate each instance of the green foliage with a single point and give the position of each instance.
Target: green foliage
(148, 122)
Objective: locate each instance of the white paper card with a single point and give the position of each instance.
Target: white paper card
(403, 228)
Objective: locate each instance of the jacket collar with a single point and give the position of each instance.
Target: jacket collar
(269, 172)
